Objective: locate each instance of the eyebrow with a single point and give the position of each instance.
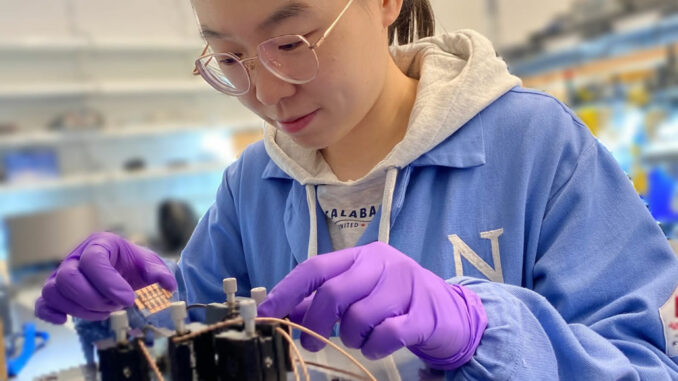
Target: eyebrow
(283, 13)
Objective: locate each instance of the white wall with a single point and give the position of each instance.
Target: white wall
(517, 18)
(147, 49)
(158, 19)
(149, 19)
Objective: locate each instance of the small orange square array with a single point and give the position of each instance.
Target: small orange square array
(152, 298)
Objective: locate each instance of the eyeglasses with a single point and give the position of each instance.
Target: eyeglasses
(290, 57)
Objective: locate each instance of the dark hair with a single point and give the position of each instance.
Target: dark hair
(415, 21)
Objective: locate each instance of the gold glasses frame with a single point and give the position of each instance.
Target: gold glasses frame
(205, 59)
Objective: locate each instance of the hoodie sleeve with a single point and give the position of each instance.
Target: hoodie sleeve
(603, 278)
(215, 250)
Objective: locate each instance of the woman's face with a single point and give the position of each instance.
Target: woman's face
(353, 61)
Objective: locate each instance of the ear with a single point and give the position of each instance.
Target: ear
(390, 10)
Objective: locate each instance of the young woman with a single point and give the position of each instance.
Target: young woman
(415, 194)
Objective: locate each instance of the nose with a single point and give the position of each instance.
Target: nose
(269, 88)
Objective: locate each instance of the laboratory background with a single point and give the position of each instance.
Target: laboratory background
(103, 125)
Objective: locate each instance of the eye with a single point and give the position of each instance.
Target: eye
(290, 47)
(228, 60)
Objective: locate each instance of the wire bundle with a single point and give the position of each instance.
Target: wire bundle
(297, 358)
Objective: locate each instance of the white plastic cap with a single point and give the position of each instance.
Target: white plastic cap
(119, 320)
(258, 294)
(230, 288)
(119, 325)
(178, 315)
(230, 285)
(248, 311)
(178, 310)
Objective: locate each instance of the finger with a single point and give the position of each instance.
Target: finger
(382, 303)
(335, 296)
(96, 266)
(46, 313)
(297, 314)
(391, 335)
(304, 279)
(90, 309)
(70, 283)
(59, 302)
(156, 271)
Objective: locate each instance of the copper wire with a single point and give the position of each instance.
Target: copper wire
(150, 360)
(302, 363)
(324, 340)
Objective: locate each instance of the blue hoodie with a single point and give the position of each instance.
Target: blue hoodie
(496, 187)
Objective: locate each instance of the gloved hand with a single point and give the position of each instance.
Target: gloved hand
(99, 277)
(384, 301)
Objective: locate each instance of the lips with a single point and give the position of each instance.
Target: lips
(292, 126)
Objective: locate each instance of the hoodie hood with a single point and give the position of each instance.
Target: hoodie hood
(459, 75)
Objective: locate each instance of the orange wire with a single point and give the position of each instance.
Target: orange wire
(323, 366)
(226, 323)
(209, 328)
(302, 363)
(142, 346)
(324, 340)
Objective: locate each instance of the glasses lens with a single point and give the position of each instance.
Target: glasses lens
(290, 58)
(224, 72)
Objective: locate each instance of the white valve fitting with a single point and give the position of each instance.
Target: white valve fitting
(120, 326)
(258, 294)
(248, 311)
(178, 315)
(230, 288)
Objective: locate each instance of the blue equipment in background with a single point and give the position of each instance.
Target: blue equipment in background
(16, 362)
(662, 196)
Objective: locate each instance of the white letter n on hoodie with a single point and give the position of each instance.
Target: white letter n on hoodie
(462, 249)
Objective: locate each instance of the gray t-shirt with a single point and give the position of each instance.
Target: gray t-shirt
(349, 209)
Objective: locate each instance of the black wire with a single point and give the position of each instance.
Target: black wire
(154, 329)
(196, 305)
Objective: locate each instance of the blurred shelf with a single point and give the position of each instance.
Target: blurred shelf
(21, 139)
(109, 177)
(31, 197)
(69, 45)
(666, 95)
(579, 52)
(642, 63)
(155, 87)
(659, 152)
(117, 88)
(46, 90)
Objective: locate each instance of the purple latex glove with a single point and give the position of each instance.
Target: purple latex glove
(99, 277)
(384, 301)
